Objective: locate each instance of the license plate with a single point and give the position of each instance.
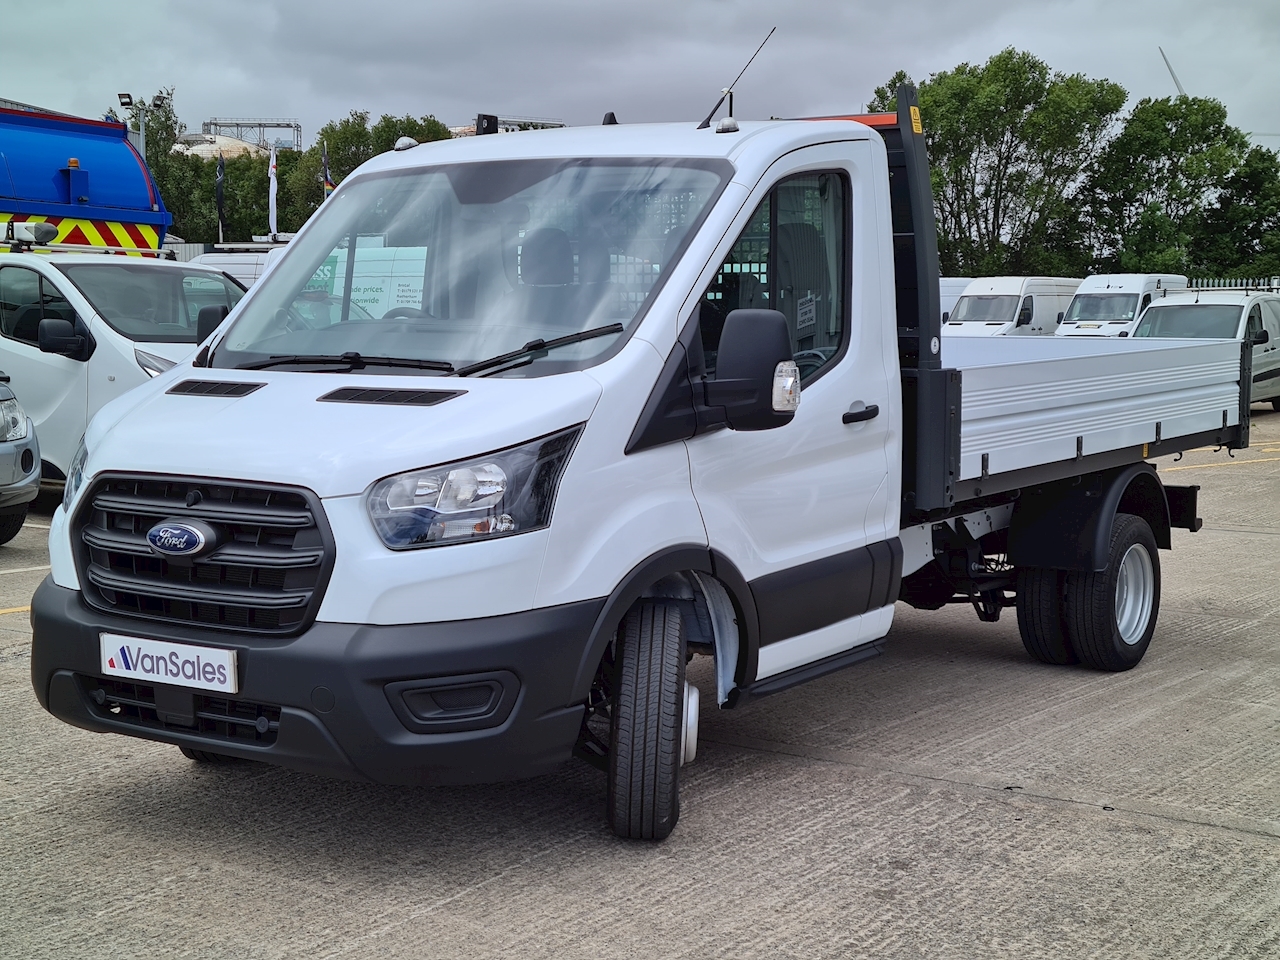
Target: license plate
(177, 664)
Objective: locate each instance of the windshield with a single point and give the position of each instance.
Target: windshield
(1190, 321)
(150, 302)
(1102, 306)
(989, 308)
(457, 264)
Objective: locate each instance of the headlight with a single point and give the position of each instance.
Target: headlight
(153, 365)
(13, 421)
(75, 475)
(499, 494)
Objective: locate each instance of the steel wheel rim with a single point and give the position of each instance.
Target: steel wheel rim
(1135, 594)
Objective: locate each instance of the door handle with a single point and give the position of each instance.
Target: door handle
(869, 412)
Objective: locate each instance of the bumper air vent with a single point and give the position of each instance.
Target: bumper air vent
(211, 717)
(214, 388)
(264, 573)
(411, 398)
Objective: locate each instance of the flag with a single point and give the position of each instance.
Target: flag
(324, 170)
(271, 197)
(218, 181)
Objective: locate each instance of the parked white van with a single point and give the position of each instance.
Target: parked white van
(78, 330)
(949, 291)
(1251, 315)
(246, 266)
(1109, 303)
(1022, 306)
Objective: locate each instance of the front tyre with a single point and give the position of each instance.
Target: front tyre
(645, 739)
(11, 523)
(1110, 615)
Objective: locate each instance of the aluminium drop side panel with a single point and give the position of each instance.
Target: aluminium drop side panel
(1038, 400)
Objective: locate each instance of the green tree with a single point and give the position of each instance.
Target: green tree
(1151, 188)
(1008, 142)
(1240, 234)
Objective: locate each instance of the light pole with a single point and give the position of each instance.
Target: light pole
(126, 101)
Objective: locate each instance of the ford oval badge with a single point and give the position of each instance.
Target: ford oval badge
(176, 539)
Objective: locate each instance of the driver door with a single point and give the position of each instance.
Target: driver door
(807, 512)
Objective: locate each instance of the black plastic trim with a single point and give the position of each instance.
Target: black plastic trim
(502, 682)
(813, 595)
(1183, 507)
(809, 671)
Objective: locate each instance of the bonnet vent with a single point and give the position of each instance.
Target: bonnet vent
(412, 398)
(215, 388)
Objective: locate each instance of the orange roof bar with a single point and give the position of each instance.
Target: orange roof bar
(870, 119)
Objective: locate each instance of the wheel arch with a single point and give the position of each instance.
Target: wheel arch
(1067, 525)
(674, 560)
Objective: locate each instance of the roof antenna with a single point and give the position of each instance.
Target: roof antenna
(728, 91)
(1176, 82)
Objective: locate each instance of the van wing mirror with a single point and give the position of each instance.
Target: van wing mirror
(60, 337)
(946, 315)
(1060, 316)
(208, 320)
(1261, 337)
(1024, 317)
(757, 382)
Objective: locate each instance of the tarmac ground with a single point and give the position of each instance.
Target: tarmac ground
(950, 798)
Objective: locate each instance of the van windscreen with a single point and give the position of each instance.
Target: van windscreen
(151, 302)
(1190, 321)
(988, 308)
(1102, 306)
(455, 264)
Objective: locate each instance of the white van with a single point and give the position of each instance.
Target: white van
(477, 524)
(1107, 304)
(949, 291)
(1021, 306)
(245, 266)
(77, 330)
(1252, 315)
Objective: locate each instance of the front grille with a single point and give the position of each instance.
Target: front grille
(216, 718)
(266, 575)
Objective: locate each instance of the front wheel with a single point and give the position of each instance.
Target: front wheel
(1110, 615)
(645, 734)
(11, 523)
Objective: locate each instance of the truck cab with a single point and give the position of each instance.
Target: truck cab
(1108, 305)
(1012, 306)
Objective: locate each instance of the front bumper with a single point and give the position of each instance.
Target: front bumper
(331, 692)
(18, 487)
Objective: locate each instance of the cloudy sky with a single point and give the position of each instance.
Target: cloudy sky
(575, 59)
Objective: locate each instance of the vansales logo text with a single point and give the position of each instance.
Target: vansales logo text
(173, 667)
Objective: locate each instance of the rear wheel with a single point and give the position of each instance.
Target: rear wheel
(645, 736)
(11, 523)
(1111, 614)
(1040, 619)
(1275, 405)
(207, 756)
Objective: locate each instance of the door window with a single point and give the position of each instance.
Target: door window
(20, 310)
(1271, 319)
(1027, 313)
(791, 257)
(1253, 326)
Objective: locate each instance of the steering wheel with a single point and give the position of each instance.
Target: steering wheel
(411, 313)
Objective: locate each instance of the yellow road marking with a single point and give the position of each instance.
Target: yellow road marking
(15, 610)
(1229, 463)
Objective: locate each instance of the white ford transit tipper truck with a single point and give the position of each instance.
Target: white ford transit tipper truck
(1108, 305)
(478, 531)
(1014, 306)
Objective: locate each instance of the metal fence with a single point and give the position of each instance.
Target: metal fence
(1268, 284)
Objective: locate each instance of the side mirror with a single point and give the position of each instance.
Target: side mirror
(60, 337)
(1024, 318)
(208, 320)
(757, 381)
(1261, 337)
(946, 315)
(1124, 333)
(1060, 316)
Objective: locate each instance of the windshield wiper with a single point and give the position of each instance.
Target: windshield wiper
(535, 347)
(349, 361)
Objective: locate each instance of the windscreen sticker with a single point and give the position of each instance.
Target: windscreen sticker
(806, 312)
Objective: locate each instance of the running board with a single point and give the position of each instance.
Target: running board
(803, 674)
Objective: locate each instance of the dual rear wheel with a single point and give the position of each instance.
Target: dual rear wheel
(1103, 619)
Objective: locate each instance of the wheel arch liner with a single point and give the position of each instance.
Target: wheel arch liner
(1067, 525)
